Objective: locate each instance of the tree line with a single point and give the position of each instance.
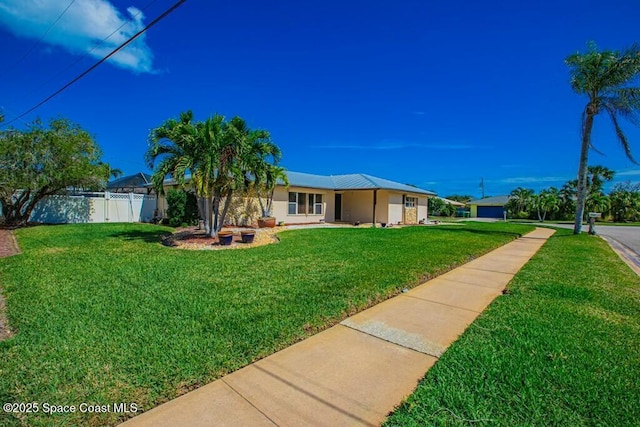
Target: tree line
(621, 204)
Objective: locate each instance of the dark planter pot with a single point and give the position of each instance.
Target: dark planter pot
(247, 236)
(268, 222)
(225, 238)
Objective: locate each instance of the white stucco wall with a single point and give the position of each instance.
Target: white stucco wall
(395, 208)
(357, 206)
(422, 208)
(281, 205)
(382, 210)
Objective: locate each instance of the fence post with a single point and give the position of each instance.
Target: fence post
(131, 215)
(107, 202)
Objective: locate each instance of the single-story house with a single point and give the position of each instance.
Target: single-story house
(349, 198)
(490, 207)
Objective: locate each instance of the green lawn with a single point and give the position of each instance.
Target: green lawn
(105, 314)
(561, 348)
(566, 222)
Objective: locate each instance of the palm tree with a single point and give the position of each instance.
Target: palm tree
(220, 156)
(520, 199)
(182, 148)
(567, 199)
(548, 201)
(262, 167)
(598, 203)
(604, 77)
(597, 176)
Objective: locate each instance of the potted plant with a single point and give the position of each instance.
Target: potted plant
(248, 236)
(267, 222)
(266, 181)
(225, 238)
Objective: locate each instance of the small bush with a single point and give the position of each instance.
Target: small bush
(183, 208)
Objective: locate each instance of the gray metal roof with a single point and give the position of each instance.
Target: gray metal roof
(350, 182)
(356, 181)
(307, 180)
(491, 201)
(138, 180)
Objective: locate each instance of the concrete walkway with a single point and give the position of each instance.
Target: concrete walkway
(356, 372)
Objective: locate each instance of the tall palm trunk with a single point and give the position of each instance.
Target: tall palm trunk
(225, 209)
(583, 167)
(213, 216)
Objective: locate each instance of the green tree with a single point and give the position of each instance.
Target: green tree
(567, 206)
(448, 210)
(548, 201)
(183, 208)
(604, 78)
(624, 202)
(520, 201)
(598, 203)
(435, 205)
(259, 164)
(43, 160)
(220, 156)
(597, 176)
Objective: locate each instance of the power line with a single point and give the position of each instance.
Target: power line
(87, 53)
(46, 33)
(96, 45)
(94, 66)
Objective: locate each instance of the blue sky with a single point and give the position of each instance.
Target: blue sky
(435, 94)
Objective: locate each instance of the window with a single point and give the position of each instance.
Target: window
(302, 202)
(293, 203)
(410, 202)
(305, 203)
(312, 198)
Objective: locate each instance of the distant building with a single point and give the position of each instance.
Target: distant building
(139, 183)
(491, 207)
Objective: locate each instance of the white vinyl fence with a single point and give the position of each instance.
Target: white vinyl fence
(95, 207)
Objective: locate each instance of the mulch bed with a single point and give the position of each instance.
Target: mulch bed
(8, 244)
(193, 239)
(8, 247)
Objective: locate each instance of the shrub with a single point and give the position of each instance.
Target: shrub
(183, 208)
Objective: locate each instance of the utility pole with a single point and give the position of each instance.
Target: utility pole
(482, 186)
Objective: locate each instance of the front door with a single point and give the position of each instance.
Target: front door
(338, 207)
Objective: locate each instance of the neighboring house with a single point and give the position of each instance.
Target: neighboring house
(491, 207)
(344, 198)
(139, 183)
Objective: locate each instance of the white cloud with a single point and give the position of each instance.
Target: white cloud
(397, 145)
(629, 172)
(530, 179)
(82, 28)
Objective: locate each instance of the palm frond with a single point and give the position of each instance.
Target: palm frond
(620, 134)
